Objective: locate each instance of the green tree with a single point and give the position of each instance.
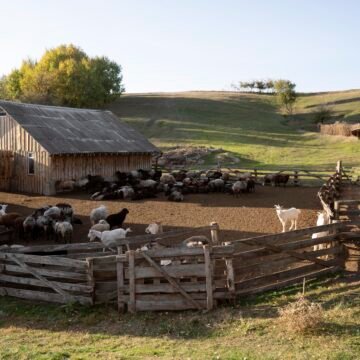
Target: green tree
(322, 114)
(286, 95)
(66, 75)
(260, 85)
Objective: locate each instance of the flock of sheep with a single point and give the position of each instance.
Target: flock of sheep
(56, 222)
(142, 184)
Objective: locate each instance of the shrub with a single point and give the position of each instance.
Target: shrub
(301, 316)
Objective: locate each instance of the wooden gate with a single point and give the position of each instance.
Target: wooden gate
(6, 169)
(170, 279)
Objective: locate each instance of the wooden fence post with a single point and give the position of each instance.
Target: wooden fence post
(120, 282)
(91, 279)
(214, 233)
(296, 178)
(256, 175)
(132, 286)
(209, 278)
(230, 276)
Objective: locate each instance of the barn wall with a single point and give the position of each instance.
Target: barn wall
(77, 166)
(17, 140)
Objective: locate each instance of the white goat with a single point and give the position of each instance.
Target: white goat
(101, 226)
(100, 213)
(155, 228)
(109, 237)
(3, 208)
(323, 219)
(286, 215)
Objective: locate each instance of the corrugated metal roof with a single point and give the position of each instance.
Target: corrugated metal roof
(62, 130)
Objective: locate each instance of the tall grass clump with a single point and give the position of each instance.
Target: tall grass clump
(301, 316)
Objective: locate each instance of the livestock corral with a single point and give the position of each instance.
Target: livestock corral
(197, 253)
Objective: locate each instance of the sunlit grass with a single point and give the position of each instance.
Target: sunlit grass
(248, 125)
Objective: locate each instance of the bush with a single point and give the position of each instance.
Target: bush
(301, 316)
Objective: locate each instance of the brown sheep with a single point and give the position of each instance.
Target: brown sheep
(8, 220)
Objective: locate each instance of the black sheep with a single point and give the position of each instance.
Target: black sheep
(117, 219)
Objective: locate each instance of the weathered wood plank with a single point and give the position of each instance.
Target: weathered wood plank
(46, 260)
(132, 284)
(42, 296)
(34, 282)
(171, 280)
(47, 272)
(209, 278)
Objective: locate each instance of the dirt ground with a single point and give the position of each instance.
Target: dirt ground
(247, 215)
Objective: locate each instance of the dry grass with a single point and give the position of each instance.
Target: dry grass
(301, 316)
(338, 128)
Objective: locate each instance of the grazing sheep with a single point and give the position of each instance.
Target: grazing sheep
(29, 226)
(101, 226)
(148, 183)
(44, 223)
(238, 187)
(40, 211)
(65, 185)
(66, 209)
(176, 195)
(155, 228)
(54, 212)
(127, 192)
(281, 179)
(100, 213)
(109, 237)
(8, 220)
(117, 219)
(64, 230)
(216, 185)
(167, 179)
(323, 219)
(3, 208)
(286, 215)
(269, 179)
(250, 185)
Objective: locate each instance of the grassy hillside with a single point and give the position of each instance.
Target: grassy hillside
(248, 125)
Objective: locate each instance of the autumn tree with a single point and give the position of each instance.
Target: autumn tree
(66, 76)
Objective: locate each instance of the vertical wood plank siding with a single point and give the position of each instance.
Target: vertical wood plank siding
(67, 167)
(50, 168)
(14, 138)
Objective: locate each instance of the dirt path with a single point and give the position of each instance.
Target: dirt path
(248, 215)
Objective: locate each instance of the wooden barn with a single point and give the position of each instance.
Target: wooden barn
(40, 145)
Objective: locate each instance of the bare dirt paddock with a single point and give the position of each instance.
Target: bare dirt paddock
(247, 215)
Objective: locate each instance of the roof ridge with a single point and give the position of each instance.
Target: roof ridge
(51, 106)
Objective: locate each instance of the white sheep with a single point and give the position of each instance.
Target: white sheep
(148, 183)
(238, 187)
(323, 219)
(286, 215)
(167, 179)
(127, 191)
(64, 229)
(155, 228)
(3, 208)
(53, 212)
(100, 213)
(109, 237)
(101, 226)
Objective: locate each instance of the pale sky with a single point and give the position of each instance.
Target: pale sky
(195, 44)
